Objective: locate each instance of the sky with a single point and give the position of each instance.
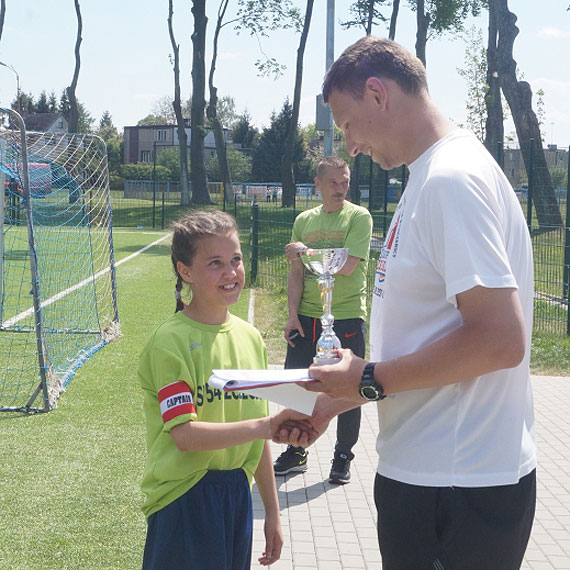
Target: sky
(125, 58)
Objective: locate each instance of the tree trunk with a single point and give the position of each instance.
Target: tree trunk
(2, 15)
(288, 176)
(519, 98)
(182, 137)
(212, 111)
(200, 192)
(370, 16)
(422, 21)
(73, 122)
(494, 126)
(393, 19)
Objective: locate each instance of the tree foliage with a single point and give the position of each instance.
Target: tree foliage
(436, 17)
(475, 75)
(239, 165)
(266, 156)
(243, 132)
(258, 18)
(106, 128)
(365, 14)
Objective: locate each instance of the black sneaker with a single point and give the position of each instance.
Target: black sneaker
(293, 459)
(340, 470)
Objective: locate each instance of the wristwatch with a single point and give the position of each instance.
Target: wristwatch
(369, 389)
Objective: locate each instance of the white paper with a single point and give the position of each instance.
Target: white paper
(277, 385)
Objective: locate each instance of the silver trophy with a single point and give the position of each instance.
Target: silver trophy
(325, 263)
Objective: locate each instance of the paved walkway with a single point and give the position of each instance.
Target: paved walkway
(329, 527)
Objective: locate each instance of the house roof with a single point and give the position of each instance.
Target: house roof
(41, 121)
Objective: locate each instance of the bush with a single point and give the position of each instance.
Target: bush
(116, 182)
(143, 171)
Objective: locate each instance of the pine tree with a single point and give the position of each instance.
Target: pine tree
(42, 106)
(266, 155)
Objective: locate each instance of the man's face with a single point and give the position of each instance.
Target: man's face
(333, 185)
(361, 120)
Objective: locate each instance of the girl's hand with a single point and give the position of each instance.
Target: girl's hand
(273, 541)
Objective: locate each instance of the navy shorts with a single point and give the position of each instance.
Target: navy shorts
(454, 528)
(208, 528)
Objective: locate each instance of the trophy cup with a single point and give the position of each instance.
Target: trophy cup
(325, 263)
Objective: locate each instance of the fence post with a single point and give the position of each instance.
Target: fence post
(530, 184)
(154, 185)
(164, 187)
(566, 279)
(254, 240)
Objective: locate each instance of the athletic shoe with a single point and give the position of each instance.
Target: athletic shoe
(293, 459)
(340, 470)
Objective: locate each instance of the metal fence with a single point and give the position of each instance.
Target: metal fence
(269, 226)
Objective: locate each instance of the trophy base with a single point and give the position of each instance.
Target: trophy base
(323, 360)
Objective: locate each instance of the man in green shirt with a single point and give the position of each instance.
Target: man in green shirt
(335, 223)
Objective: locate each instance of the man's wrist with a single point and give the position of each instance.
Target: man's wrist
(369, 388)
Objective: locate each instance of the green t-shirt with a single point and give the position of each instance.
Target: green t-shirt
(174, 369)
(351, 227)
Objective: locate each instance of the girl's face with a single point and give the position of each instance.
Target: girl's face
(216, 277)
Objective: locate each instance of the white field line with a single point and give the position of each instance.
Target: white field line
(62, 294)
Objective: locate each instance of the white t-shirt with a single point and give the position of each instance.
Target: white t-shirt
(457, 225)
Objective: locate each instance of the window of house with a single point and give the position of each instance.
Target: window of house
(145, 155)
(60, 124)
(160, 135)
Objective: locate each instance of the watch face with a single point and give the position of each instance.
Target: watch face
(369, 393)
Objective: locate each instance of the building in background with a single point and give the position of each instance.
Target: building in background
(142, 142)
(53, 123)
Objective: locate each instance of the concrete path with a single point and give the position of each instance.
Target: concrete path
(330, 527)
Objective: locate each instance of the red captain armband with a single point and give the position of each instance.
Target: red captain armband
(175, 400)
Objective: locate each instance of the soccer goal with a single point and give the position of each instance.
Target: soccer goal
(57, 286)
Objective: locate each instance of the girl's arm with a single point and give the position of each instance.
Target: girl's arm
(265, 480)
(204, 436)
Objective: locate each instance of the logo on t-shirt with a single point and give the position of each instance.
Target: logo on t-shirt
(390, 247)
(175, 400)
(390, 244)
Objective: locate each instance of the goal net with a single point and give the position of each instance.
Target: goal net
(57, 271)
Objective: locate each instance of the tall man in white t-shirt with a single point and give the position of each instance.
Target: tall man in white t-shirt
(450, 330)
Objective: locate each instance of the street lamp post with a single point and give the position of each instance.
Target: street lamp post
(18, 99)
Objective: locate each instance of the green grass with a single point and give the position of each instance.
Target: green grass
(70, 491)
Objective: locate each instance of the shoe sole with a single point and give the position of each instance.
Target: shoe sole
(339, 481)
(295, 469)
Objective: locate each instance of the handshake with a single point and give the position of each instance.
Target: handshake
(294, 428)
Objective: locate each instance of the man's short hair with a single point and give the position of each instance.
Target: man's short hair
(374, 57)
(333, 162)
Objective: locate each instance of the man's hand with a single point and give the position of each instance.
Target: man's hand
(293, 324)
(341, 380)
(289, 424)
(311, 428)
(292, 249)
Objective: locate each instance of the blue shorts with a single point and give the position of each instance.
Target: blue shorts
(208, 528)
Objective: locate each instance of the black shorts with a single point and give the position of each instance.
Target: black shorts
(454, 528)
(350, 332)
